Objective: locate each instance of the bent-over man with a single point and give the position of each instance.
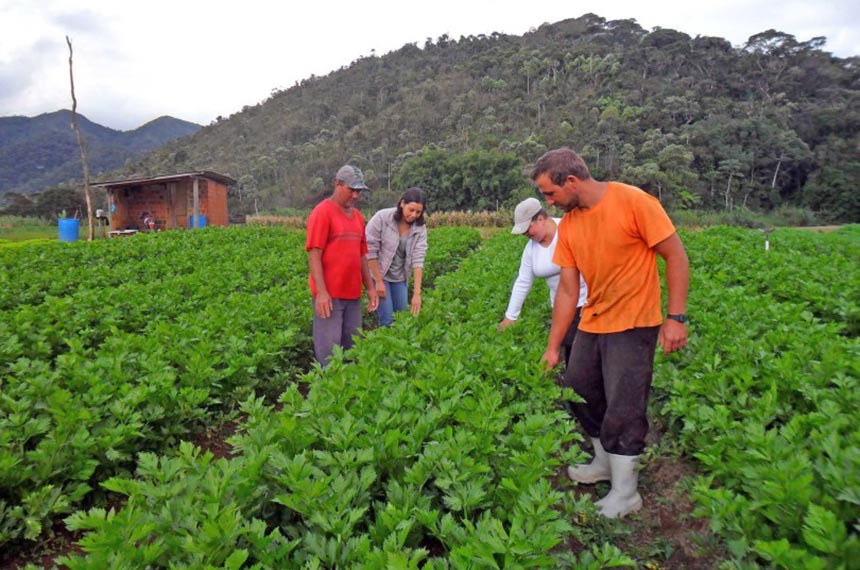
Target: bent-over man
(612, 234)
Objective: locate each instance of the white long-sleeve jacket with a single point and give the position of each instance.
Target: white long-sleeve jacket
(537, 262)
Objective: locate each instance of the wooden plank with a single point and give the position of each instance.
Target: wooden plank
(183, 200)
(217, 205)
(171, 205)
(196, 199)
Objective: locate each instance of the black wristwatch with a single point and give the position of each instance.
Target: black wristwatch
(680, 318)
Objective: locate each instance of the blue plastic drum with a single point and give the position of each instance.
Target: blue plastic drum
(69, 229)
(202, 221)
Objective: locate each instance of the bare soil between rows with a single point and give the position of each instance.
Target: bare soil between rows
(664, 533)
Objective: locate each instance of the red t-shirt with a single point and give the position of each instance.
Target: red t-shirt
(342, 241)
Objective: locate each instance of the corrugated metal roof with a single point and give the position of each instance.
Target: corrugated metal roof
(167, 178)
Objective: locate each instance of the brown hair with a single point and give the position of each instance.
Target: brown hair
(560, 163)
(412, 195)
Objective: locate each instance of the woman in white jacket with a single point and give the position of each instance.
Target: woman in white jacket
(396, 246)
(531, 220)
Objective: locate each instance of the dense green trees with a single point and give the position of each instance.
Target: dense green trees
(700, 123)
(48, 204)
(475, 179)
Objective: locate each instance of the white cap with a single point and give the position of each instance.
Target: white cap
(523, 214)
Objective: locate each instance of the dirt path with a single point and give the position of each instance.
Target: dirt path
(664, 534)
(824, 229)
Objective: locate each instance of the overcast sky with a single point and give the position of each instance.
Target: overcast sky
(195, 60)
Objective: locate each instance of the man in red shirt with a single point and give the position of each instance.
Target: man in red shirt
(612, 234)
(337, 256)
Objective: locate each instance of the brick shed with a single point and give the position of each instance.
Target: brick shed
(172, 200)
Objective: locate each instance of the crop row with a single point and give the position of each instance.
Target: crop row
(817, 270)
(152, 339)
(766, 398)
(430, 444)
(122, 346)
(447, 247)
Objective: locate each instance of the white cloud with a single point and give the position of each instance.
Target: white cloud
(196, 60)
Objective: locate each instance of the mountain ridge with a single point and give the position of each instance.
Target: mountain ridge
(41, 151)
(693, 120)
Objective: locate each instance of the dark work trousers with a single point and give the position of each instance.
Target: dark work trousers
(567, 343)
(344, 322)
(612, 372)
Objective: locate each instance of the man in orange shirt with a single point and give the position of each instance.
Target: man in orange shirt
(612, 234)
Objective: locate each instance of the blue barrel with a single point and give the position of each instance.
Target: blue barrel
(69, 230)
(202, 221)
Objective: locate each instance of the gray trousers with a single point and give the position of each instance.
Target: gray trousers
(344, 321)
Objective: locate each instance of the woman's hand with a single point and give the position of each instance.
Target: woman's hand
(380, 288)
(506, 322)
(416, 303)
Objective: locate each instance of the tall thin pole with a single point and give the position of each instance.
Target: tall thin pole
(195, 201)
(81, 145)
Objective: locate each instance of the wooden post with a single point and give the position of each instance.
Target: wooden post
(82, 146)
(110, 208)
(171, 198)
(196, 204)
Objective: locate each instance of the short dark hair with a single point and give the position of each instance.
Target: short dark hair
(560, 163)
(412, 195)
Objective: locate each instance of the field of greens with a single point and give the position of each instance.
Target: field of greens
(767, 397)
(120, 347)
(436, 443)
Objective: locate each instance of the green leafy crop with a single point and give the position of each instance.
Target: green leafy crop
(429, 444)
(766, 395)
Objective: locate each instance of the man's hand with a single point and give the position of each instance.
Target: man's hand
(323, 305)
(673, 336)
(416, 303)
(372, 300)
(506, 322)
(380, 288)
(551, 358)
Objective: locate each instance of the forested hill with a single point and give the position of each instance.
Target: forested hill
(36, 152)
(695, 121)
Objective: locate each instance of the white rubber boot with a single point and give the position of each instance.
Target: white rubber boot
(623, 498)
(597, 470)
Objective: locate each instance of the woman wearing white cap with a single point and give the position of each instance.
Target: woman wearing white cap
(531, 220)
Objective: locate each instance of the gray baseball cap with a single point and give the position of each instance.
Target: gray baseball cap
(352, 177)
(523, 214)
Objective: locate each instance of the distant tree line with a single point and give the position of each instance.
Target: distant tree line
(693, 120)
(48, 204)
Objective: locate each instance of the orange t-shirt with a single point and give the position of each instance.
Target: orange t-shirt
(612, 245)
